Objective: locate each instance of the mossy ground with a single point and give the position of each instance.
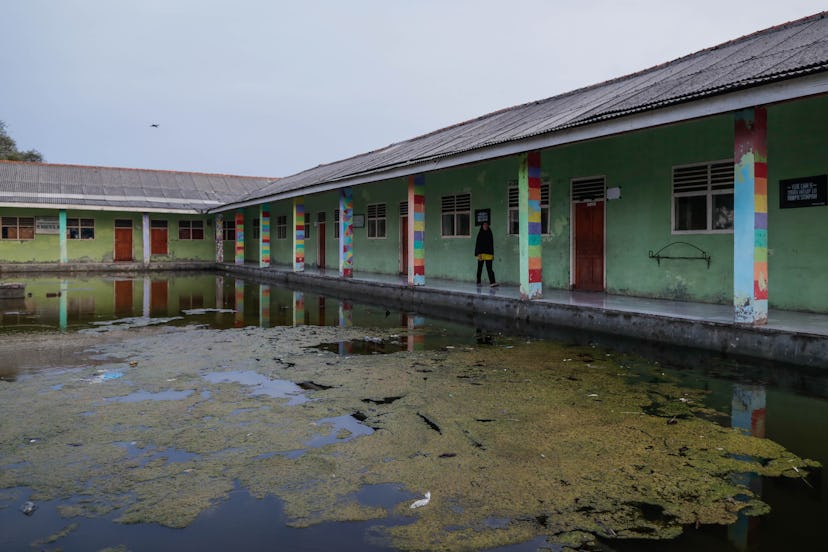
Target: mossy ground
(555, 440)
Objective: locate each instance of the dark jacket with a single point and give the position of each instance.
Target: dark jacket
(484, 243)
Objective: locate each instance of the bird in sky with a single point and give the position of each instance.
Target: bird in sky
(154, 125)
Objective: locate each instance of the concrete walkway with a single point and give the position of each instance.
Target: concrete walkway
(790, 337)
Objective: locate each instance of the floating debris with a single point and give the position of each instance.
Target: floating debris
(422, 502)
(28, 508)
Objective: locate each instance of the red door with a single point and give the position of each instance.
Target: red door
(320, 251)
(123, 240)
(158, 237)
(404, 244)
(589, 246)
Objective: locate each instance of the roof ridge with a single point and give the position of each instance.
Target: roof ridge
(43, 164)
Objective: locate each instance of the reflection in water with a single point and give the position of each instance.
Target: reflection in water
(748, 415)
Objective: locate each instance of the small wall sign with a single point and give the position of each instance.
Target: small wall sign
(358, 221)
(811, 191)
(481, 216)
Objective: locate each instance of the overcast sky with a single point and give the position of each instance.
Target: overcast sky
(271, 87)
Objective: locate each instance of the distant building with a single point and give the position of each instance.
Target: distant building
(702, 179)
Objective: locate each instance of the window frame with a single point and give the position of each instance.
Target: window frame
(511, 209)
(712, 189)
(376, 219)
(189, 228)
(281, 227)
(228, 230)
(5, 224)
(79, 225)
(455, 213)
(336, 224)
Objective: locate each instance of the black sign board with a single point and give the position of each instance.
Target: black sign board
(811, 191)
(481, 216)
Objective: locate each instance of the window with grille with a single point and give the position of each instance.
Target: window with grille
(257, 228)
(229, 230)
(456, 215)
(80, 229)
(281, 227)
(336, 223)
(376, 220)
(514, 212)
(190, 229)
(307, 225)
(703, 198)
(17, 228)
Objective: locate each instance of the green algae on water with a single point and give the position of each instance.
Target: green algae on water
(548, 439)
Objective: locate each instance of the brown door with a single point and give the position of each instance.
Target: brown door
(158, 237)
(123, 240)
(589, 246)
(404, 244)
(320, 240)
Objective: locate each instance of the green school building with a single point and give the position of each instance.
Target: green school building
(703, 179)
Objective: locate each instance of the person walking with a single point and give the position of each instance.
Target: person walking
(484, 251)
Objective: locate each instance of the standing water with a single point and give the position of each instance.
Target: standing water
(201, 411)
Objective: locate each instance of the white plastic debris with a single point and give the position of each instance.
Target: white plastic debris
(422, 501)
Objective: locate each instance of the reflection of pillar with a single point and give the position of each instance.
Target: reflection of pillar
(416, 340)
(64, 253)
(529, 217)
(264, 235)
(345, 320)
(264, 305)
(239, 257)
(750, 217)
(298, 234)
(146, 304)
(298, 308)
(219, 238)
(63, 302)
(239, 317)
(416, 230)
(219, 292)
(320, 319)
(346, 233)
(748, 415)
(145, 237)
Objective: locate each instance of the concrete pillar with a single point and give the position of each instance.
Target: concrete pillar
(346, 233)
(239, 257)
(64, 252)
(298, 234)
(63, 304)
(219, 238)
(145, 238)
(145, 299)
(750, 217)
(416, 230)
(264, 235)
(529, 218)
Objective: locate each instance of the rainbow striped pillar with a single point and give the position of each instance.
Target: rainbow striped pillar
(238, 319)
(298, 234)
(264, 305)
(239, 238)
(219, 238)
(298, 308)
(750, 217)
(264, 235)
(346, 233)
(416, 230)
(529, 214)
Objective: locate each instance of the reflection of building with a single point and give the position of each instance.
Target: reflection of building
(580, 188)
(748, 415)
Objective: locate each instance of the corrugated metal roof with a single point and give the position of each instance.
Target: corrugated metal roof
(783, 52)
(133, 189)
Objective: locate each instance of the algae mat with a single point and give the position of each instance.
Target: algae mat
(511, 440)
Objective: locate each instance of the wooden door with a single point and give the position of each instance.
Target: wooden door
(123, 240)
(404, 244)
(320, 240)
(589, 246)
(158, 237)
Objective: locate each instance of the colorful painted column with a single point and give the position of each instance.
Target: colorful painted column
(750, 217)
(529, 215)
(298, 308)
(238, 319)
(239, 258)
(298, 234)
(416, 230)
(64, 252)
(219, 238)
(264, 235)
(748, 411)
(145, 237)
(346, 233)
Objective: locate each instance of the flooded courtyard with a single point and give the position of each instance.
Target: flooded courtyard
(204, 412)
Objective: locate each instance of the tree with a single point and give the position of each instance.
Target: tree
(9, 151)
